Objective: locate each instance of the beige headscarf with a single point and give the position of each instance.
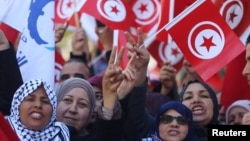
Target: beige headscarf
(71, 83)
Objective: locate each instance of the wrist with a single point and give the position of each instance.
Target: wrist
(109, 102)
(141, 77)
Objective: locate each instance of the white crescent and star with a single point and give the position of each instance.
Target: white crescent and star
(206, 40)
(170, 51)
(146, 11)
(233, 12)
(112, 10)
(65, 8)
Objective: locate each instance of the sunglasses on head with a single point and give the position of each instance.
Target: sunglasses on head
(168, 119)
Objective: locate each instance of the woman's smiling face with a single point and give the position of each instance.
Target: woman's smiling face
(36, 110)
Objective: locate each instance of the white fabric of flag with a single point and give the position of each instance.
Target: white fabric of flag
(4, 7)
(35, 54)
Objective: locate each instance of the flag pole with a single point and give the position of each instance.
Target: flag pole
(115, 42)
(170, 23)
(76, 15)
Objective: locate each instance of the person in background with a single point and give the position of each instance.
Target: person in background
(201, 99)
(164, 91)
(74, 68)
(154, 101)
(78, 64)
(96, 82)
(246, 70)
(222, 111)
(80, 46)
(133, 95)
(33, 113)
(59, 31)
(168, 80)
(10, 75)
(76, 103)
(246, 73)
(236, 110)
(105, 44)
(174, 121)
(79, 43)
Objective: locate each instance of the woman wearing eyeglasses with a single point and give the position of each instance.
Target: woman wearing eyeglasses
(174, 122)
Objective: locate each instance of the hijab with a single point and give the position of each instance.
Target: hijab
(244, 103)
(180, 108)
(212, 94)
(52, 131)
(71, 83)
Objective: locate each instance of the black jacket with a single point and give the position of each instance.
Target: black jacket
(10, 78)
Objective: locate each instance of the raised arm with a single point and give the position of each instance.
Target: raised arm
(109, 125)
(10, 76)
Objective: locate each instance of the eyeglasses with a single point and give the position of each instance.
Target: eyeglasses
(168, 119)
(67, 76)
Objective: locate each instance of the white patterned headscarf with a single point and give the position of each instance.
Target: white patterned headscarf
(53, 131)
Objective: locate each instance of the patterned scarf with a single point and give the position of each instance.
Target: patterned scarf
(152, 137)
(53, 131)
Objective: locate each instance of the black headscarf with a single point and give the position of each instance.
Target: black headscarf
(212, 95)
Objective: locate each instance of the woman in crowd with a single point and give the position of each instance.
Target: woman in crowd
(33, 113)
(236, 110)
(201, 99)
(173, 122)
(76, 103)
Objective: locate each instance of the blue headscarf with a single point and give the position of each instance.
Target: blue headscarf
(180, 108)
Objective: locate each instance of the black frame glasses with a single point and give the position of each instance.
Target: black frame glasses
(166, 119)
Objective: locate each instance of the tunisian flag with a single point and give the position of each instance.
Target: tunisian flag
(10, 33)
(162, 51)
(236, 13)
(235, 85)
(116, 14)
(6, 131)
(36, 47)
(65, 9)
(119, 40)
(169, 9)
(204, 38)
(147, 14)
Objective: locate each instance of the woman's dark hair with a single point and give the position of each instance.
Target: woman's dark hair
(212, 95)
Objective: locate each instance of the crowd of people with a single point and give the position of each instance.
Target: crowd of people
(113, 104)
